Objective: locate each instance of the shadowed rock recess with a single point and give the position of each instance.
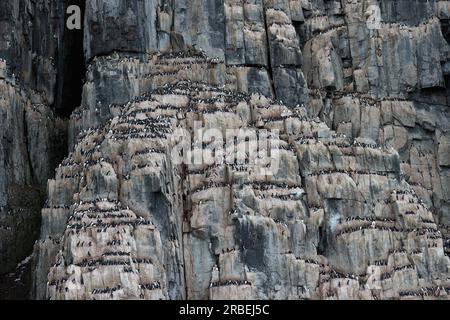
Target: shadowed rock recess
(360, 205)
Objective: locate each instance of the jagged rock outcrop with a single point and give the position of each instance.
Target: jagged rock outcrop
(32, 135)
(389, 84)
(256, 34)
(358, 92)
(336, 221)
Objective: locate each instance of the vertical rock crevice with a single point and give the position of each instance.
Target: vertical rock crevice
(71, 65)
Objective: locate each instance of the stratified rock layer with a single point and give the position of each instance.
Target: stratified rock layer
(359, 209)
(336, 221)
(31, 134)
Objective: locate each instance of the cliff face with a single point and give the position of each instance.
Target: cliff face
(30, 132)
(359, 207)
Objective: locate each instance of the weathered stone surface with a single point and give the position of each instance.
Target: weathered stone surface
(359, 208)
(387, 69)
(31, 134)
(444, 151)
(337, 214)
(30, 139)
